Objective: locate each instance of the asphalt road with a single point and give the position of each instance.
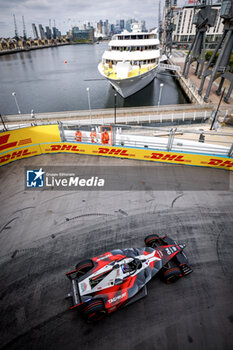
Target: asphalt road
(43, 234)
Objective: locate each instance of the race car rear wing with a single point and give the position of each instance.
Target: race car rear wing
(74, 291)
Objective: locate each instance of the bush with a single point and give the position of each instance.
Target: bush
(208, 54)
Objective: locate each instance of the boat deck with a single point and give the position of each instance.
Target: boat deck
(111, 72)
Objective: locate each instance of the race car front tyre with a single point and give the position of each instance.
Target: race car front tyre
(83, 267)
(172, 275)
(152, 241)
(94, 310)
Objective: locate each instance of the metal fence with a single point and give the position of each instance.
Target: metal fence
(164, 139)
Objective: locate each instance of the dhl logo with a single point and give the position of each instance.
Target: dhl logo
(71, 148)
(4, 144)
(172, 157)
(219, 162)
(180, 158)
(101, 150)
(15, 155)
(114, 151)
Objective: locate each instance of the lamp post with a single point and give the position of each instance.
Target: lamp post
(17, 105)
(216, 113)
(115, 106)
(160, 93)
(89, 102)
(16, 102)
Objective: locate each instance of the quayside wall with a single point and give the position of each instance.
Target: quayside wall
(37, 140)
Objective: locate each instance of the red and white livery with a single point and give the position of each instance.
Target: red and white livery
(117, 278)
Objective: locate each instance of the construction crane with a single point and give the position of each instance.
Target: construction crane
(169, 27)
(203, 20)
(16, 31)
(222, 55)
(24, 30)
(160, 28)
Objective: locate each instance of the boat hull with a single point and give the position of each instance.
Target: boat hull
(129, 86)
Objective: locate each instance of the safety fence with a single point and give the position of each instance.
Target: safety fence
(155, 118)
(123, 143)
(178, 140)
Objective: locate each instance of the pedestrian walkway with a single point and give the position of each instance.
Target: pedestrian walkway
(178, 58)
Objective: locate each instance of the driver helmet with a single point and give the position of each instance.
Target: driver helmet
(126, 268)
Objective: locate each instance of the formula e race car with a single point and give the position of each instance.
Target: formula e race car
(118, 278)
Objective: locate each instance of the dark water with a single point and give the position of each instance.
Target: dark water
(44, 82)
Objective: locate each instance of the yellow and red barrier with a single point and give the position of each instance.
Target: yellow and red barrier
(37, 140)
(23, 143)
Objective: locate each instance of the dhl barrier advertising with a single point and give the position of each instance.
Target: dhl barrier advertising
(37, 140)
(19, 153)
(23, 143)
(140, 154)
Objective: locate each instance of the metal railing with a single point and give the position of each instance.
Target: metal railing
(173, 140)
(165, 139)
(155, 118)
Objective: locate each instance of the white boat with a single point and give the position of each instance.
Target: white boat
(131, 61)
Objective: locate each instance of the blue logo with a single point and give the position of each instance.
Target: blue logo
(35, 178)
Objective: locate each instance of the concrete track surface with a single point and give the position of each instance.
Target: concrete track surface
(45, 233)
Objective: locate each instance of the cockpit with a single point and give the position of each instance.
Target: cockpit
(131, 266)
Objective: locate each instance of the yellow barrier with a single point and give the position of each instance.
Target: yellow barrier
(19, 153)
(37, 140)
(23, 143)
(140, 154)
(29, 136)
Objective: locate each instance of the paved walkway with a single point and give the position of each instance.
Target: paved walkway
(178, 58)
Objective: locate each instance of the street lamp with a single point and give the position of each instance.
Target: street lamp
(160, 93)
(89, 102)
(115, 106)
(17, 105)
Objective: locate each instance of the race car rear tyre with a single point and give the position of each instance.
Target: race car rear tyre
(94, 310)
(83, 267)
(172, 275)
(152, 241)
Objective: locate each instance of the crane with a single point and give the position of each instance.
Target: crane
(16, 31)
(222, 52)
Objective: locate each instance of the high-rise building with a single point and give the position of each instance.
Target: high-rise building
(56, 33)
(122, 24)
(105, 28)
(79, 35)
(35, 32)
(41, 30)
(112, 28)
(185, 30)
(100, 26)
(48, 33)
(128, 24)
(143, 24)
(54, 29)
(102, 29)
